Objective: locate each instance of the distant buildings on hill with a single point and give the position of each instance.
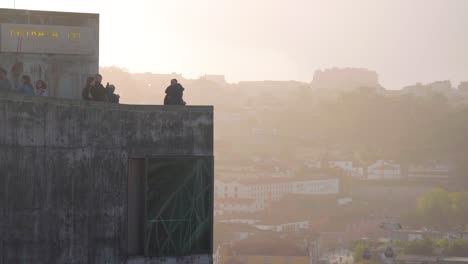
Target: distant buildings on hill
(440, 87)
(338, 80)
(389, 170)
(254, 195)
(325, 83)
(384, 170)
(251, 195)
(216, 78)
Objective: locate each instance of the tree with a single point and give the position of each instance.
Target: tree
(358, 248)
(435, 207)
(420, 247)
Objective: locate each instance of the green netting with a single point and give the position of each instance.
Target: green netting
(179, 206)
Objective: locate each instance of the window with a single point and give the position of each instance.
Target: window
(178, 202)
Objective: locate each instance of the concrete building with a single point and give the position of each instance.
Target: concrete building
(90, 182)
(60, 48)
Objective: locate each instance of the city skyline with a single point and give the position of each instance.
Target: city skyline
(404, 42)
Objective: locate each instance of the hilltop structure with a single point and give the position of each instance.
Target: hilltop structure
(338, 80)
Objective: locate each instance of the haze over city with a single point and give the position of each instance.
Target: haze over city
(234, 132)
(403, 41)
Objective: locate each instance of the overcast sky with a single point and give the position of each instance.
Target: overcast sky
(405, 41)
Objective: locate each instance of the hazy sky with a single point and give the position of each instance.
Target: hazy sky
(405, 41)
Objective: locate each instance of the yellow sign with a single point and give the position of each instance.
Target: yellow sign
(22, 38)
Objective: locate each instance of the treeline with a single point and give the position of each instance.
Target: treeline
(431, 247)
(440, 210)
(424, 247)
(403, 128)
(367, 126)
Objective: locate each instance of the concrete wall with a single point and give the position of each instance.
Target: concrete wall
(63, 173)
(65, 74)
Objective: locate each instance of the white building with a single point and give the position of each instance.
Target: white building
(430, 170)
(384, 170)
(286, 227)
(345, 165)
(224, 206)
(348, 168)
(274, 189)
(316, 187)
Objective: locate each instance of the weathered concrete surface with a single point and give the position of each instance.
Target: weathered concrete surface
(63, 173)
(65, 74)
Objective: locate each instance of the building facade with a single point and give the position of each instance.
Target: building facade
(276, 188)
(90, 182)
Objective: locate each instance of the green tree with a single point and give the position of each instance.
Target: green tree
(435, 207)
(420, 247)
(358, 248)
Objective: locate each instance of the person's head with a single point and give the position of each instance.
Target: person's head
(3, 73)
(174, 81)
(90, 81)
(25, 79)
(40, 84)
(111, 88)
(98, 78)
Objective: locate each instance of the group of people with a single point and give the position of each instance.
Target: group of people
(95, 91)
(25, 85)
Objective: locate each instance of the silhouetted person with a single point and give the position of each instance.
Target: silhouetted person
(5, 84)
(25, 86)
(174, 94)
(98, 92)
(111, 96)
(86, 93)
